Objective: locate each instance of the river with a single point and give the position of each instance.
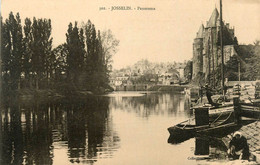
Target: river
(127, 128)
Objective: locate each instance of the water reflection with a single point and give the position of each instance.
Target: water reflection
(31, 132)
(201, 146)
(176, 139)
(153, 104)
(92, 130)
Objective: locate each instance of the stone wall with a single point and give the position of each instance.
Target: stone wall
(197, 56)
(139, 87)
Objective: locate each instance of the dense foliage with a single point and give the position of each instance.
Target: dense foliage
(244, 66)
(29, 60)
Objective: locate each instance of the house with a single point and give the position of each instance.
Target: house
(180, 68)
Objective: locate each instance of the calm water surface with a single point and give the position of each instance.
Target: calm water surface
(120, 128)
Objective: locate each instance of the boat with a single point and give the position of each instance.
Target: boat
(251, 110)
(210, 121)
(217, 120)
(216, 110)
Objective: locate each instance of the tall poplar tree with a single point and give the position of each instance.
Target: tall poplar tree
(5, 58)
(1, 50)
(28, 41)
(41, 48)
(91, 56)
(13, 49)
(75, 46)
(100, 49)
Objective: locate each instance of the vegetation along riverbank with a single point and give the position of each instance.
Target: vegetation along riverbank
(32, 65)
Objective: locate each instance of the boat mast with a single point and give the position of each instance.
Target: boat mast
(1, 59)
(221, 48)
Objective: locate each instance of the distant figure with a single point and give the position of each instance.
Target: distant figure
(208, 94)
(225, 89)
(238, 147)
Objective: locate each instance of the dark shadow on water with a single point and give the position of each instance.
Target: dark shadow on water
(175, 139)
(201, 146)
(30, 129)
(206, 146)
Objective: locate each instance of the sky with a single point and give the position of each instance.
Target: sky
(162, 35)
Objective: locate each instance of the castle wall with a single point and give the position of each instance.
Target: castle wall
(206, 47)
(197, 56)
(228, 51)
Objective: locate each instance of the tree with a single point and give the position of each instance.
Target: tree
(109, 47)
(231, 69)
(27, 56)
(91, 65)
(41, 48)
(257, 42)
(249, 58)
(188, 71)
(5, 54)
(1, 50)
(13, 49)
(60, 65)
(76, 52)
(100, 49)
(85, 58)
(253, 63)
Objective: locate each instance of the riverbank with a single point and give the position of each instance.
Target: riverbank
(46, 93)
(252, 134)
(169, 88)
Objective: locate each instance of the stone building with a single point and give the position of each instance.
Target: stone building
(206, 48)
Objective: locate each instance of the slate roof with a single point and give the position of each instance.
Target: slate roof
(200, 32)
(213, 18)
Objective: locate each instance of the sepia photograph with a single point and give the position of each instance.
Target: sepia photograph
(129, 82)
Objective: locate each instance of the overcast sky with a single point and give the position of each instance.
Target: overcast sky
(165, 34)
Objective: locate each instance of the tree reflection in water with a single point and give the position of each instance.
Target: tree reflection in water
(156, 104)
(32, 130)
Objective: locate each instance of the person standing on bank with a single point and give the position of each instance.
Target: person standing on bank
(238, 147)
(209, 94)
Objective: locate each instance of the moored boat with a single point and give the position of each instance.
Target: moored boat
(251, 110)
(189, 128)
(216, 119)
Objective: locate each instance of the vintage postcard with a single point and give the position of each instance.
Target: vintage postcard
(111, 82)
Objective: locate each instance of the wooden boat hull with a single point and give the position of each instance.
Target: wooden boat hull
(219, 130)
(250, 110)
(206, 129)
(219, 119)
(178, 131)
